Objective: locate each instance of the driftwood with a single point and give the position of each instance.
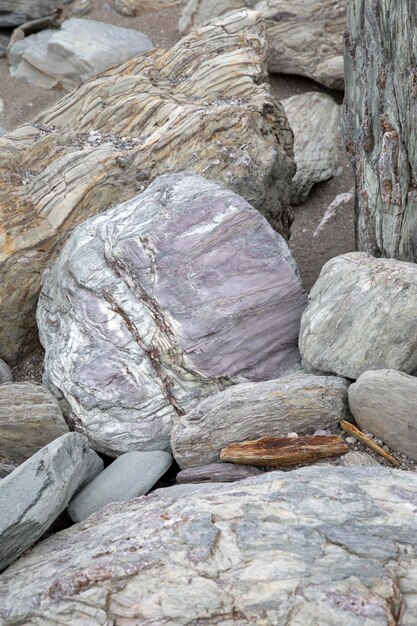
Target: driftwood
(355, 432)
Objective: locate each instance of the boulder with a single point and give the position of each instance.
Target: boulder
(131, 475)
(379, 124)
(305, 36)
(61, 58)
(177, 293)
(315, 120)
(361, 316)
(384, 403)
(318, 545)
(205, 105)
(216, 473)
(30, 418)
(33, 496)
(16, 12)
(6, 374)
(300, 403)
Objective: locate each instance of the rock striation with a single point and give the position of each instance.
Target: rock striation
(216, 473)
(269, 550)
(177, 293)
(205, 106)
(16, 12)
(361, 316)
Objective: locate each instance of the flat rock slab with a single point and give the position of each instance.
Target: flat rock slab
(384, 403)
(61, 58)
(299, 403)
(16, 12)
(177, 294)
(319, 545)
(205, 106)
(131, 475)
(33, 496)
(361, 316)
(315, 120)
(216, 473)
(305, 36)
(30, 418)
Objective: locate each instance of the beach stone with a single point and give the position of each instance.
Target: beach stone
(16, 12)
(305, 36)
(384, 402)
(60, 58)
(30, 418)
(6, 374)
(361, 316)
(131, 475)
(216, 472)
(315, 120)
(33, 496)
(81, 7)
(132, 8)
(272, 549)
(251, 410)
(186, 489)
(358, 459)
(208, 90)
(177, 293)
(7, 466)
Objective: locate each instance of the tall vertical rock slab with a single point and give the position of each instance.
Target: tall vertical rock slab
(203, 106)
(379, 121)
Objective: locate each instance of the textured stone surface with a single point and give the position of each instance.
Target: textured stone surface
(305, 36)
(315, 120)
(358, 459)
(300, 403)
(379, 121)
(33, 496)
(216, 472)
(320, 545)
(131, 475)
(131, 8)
(6, 374)
(184, 490)
(384, 403)
(15, 12)
(30, 418)
(205, 105)
(176, 293)
(61, 58)
(361, 316)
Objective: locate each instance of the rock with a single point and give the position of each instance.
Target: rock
(30, 418)
(3, 131)
(250, 410)
(178, 293)
(358, 459)
(305, 36)
(16, 12)
(33, 496)
(60, 58)
(284, 452)
(361, 317)
(131, 475)
(315, 120)
(216, 473)
(379, 124)
(81, 7)
(132, 8)
(318, 545)
(7, 466)
(184, 490)
(6, 374)
(185, 110)
(384, 402)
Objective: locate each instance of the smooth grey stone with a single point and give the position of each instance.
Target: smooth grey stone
(384, 403)
(314, 546)
(6, 374)
(129, 476)
(177, 293)
(33, 496)
(361, 316)
(3, 131)
(358, 459)
(216, 473)
(186, 489)
(16, 12)
(300, 402)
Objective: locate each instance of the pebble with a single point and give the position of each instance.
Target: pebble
(292, 435)
(351, 440)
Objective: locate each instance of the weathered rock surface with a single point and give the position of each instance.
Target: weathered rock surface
(16, 12)
(361, 316)
(216, 472)
(185, 489)
(379, 121)
(300, 403)
(204, 106)
(384, 403)
(315, 120)
(33, 496)
(6, 374)
(319, 545)
(131, 475)
(61, 58)
(177, 294)
(131, 8)
(358, 459)
(7, 467)
(30, 418)
(305, 36)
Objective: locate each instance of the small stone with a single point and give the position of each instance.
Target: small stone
(292, 435)
(351, 440)
(358, 459)
(321, 432)
(81, 7)
(6, 374)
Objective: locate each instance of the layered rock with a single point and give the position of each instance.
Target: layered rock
(361, 316)
(305, 36)
(272, 549)
(216, 473)
(204, 106)
(16, 12)
(379, 121)
(300, 403)
(176, 294)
